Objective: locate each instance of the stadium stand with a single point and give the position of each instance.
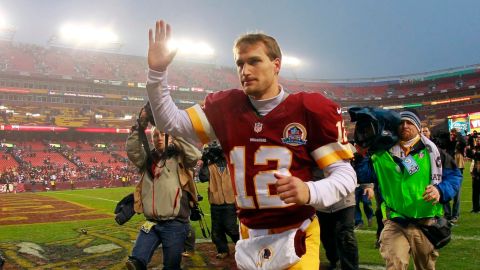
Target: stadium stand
(7, 161)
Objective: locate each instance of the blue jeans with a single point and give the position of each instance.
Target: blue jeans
(452, 211)
(171, 234)
(367, 206)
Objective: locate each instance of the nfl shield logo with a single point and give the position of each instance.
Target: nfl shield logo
(258, 127)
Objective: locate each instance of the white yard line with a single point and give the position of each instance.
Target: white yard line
(86, 196)
(97, 198)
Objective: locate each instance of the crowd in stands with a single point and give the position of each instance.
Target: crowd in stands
(81, 64)
(34, 114)
(71, 168)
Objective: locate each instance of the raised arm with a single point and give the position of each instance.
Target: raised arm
(167, 116)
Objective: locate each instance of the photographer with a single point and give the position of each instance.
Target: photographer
(164, 194)
(411, 163)
(221, 198)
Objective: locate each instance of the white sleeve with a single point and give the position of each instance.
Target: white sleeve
(340, 180)
(168, 117)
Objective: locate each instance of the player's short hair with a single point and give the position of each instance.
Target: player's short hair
(273, 50)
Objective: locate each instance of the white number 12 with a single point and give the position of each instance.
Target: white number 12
(262, 180)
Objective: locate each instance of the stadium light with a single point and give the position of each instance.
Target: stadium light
(291, 61)
(87, 35)
(3, 21)
(187, 47)
(7, 31)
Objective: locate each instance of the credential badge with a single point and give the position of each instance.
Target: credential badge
(294, 134)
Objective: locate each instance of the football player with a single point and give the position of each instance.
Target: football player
(272, 140)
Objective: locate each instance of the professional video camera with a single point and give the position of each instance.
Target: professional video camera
(375, 128)
(212, 153)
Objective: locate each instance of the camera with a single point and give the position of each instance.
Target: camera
(195, 213)
(148, 110)
(212, 153)
(124, 209)
(375, 128)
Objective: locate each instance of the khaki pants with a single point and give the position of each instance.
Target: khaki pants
(397, 243)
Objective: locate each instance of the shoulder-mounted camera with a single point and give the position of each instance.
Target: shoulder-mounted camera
(375, 128)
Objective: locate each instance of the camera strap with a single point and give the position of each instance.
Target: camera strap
(146, 147)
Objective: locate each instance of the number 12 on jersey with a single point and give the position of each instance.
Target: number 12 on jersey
(262, 179)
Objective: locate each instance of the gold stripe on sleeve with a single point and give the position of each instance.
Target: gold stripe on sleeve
(197, 123)
(331, 153)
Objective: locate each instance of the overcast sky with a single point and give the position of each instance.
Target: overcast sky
(334, 39)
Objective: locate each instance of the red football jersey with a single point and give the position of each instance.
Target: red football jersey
(304, 131)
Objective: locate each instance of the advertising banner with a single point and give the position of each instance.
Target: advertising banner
(459, 122)
(474, 121)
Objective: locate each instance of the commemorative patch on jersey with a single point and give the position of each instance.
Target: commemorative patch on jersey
(294, 134)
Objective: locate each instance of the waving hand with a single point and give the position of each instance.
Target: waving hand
(159, 56)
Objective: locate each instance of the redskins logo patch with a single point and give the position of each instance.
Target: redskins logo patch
(265, 254)
(294, 134)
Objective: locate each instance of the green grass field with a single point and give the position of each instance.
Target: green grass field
(461, 253)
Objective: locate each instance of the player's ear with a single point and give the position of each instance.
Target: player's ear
(278, 64)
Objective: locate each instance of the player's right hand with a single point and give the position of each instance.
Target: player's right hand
(292, 189)
(159, 55)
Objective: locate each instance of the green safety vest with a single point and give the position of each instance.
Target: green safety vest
(402, 192)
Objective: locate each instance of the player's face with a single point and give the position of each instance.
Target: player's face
(407, 130)
(159, 140)
(257, 73)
